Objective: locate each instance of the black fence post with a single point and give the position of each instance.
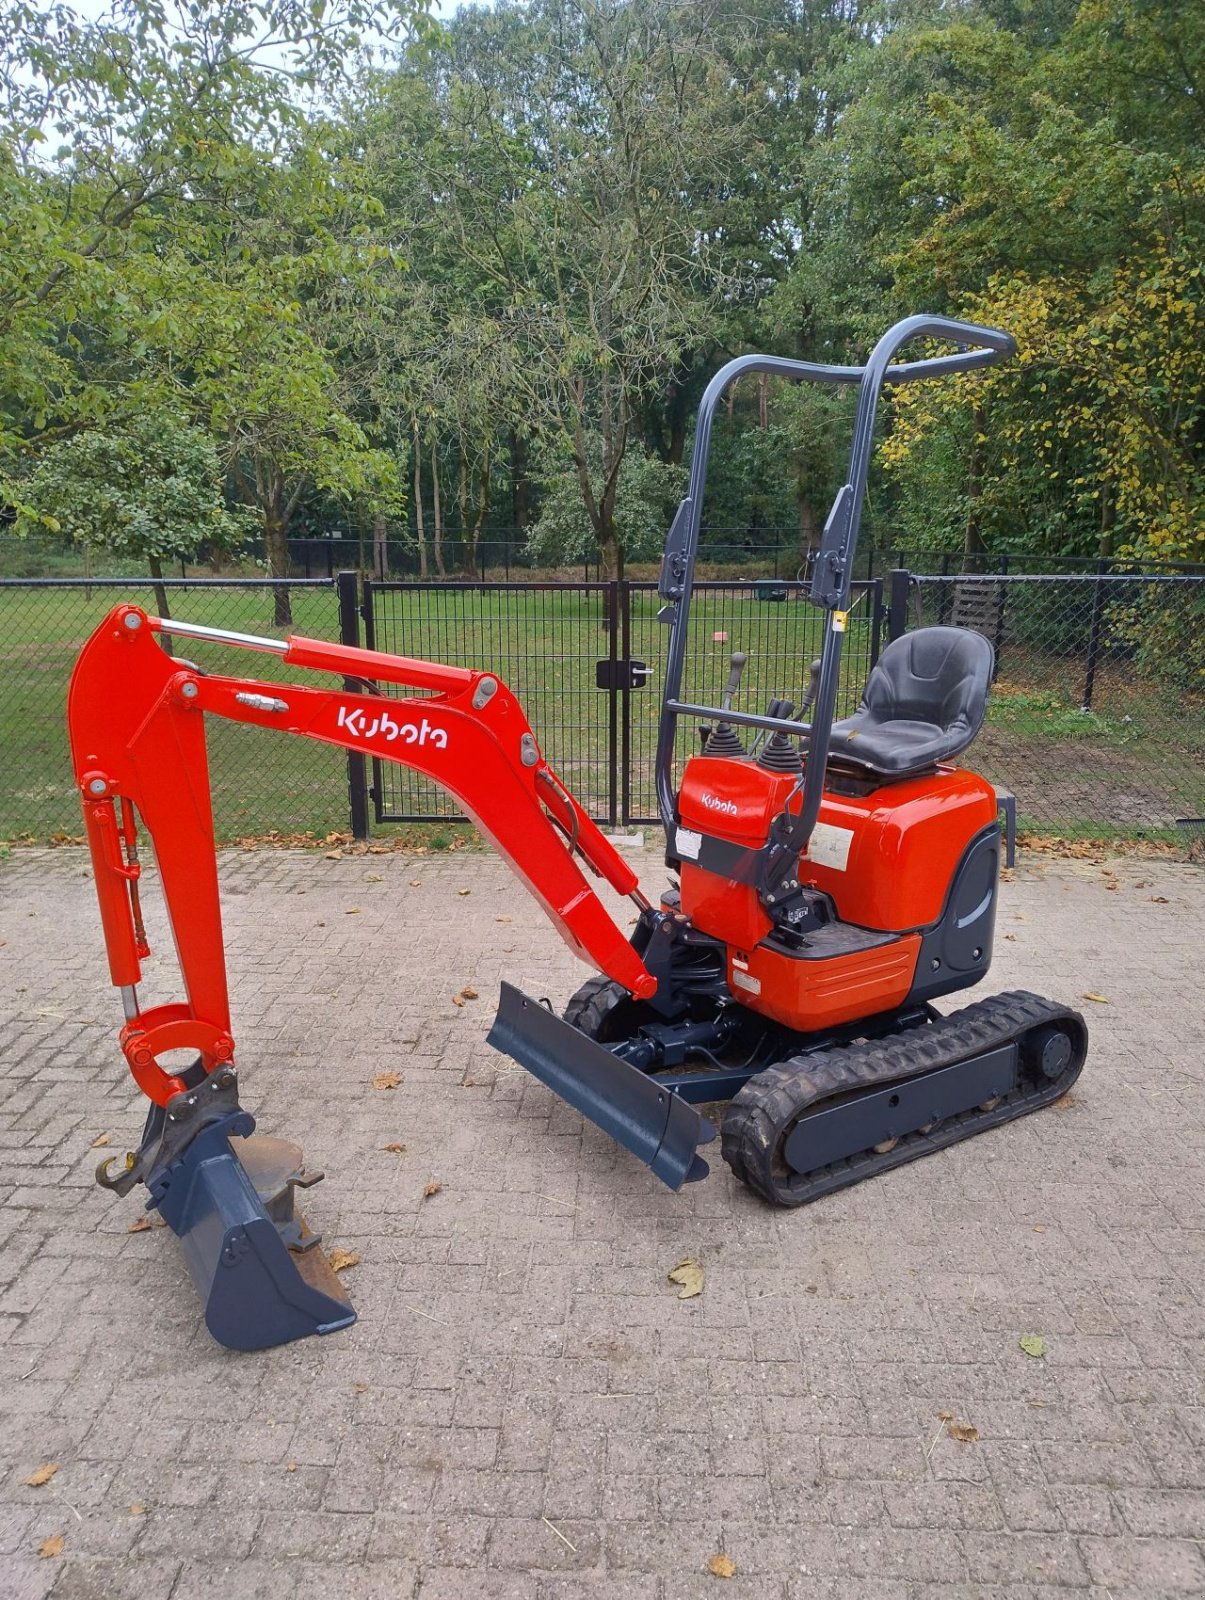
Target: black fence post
(876, 619)
(349, 633)
(1094, 632)
(897, 604)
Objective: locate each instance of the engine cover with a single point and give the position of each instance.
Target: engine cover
(886, 858)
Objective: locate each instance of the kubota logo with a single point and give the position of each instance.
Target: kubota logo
(362, 726)
(714, 803)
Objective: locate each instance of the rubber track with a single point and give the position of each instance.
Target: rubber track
(772, 1102)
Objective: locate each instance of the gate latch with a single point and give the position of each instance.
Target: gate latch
(629, 674)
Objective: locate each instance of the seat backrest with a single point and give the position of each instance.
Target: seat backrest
(935, 675)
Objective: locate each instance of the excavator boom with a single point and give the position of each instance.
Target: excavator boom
(137, 728)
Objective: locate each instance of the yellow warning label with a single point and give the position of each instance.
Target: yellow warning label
(839, 620)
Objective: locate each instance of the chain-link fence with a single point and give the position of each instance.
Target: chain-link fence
(261, 781)
(1096, 720)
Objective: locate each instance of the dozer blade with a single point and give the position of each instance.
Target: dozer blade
(656, 1125)
(257, 1291)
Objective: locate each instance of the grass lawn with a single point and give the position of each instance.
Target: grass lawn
(1134, 763)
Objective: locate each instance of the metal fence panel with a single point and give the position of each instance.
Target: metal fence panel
(544, 641)
(262, 781)
(774, 624)
(1096, 720)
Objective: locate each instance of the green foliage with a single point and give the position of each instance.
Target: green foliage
(149, 487)
(1164, 630)
(647, 490)
(538, 230)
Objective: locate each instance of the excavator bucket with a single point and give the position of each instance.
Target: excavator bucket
(261, 1273)
(656, 1125)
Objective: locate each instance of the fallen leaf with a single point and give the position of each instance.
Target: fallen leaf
(1033, 1344)
(361, 1388)
(137, 1511)
(502, 919)
(722, 1566)
(42, 1475)
(457, 999)
(320, 924)
(340, 1260)
(1099, 998)
(373, 877)
(469, 993)
(52, 1546)
(1157, 899)
(1037, 1405)
(945, 1416)
(463, 892)
(963, 1432)
(387, 1080)
(1039, 1227)
(352, 911)
(100, 1140)
(333, 855)
(290, 1466)
(689, 1274)
(430, 1189)
(395, 1149)
(139, 1225)
(416, 883)
(1064, 1102)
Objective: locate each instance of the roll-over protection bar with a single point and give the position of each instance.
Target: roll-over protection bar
(978, 347)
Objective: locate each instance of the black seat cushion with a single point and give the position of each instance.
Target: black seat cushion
(924, 702)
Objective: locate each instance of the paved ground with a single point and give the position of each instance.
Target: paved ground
(525, 1408)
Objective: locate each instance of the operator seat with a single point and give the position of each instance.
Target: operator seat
(924, 702)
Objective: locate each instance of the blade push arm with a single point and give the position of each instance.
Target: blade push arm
(137, 736)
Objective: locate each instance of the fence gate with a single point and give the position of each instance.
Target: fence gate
(586, 661)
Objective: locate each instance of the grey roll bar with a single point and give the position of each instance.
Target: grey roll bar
(979, 347)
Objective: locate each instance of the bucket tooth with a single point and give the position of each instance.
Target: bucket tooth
(261, 1272)
(656, 1125)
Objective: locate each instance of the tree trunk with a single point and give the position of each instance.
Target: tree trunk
(462, 513)
(437, 516)
(161, 606)
(473, 543)
(519, 486)
(677, 425)
(807, 530)
(1106, 522)
(610, 555)
(380, 548)
(420, 528)
(276, 540)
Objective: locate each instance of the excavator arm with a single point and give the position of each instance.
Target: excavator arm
(136, 719)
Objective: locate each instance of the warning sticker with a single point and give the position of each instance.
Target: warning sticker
(689, 843)
(829, 846)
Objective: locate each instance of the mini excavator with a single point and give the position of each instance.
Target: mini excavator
(834, 879)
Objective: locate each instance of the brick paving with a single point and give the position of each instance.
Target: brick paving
(525, 1410)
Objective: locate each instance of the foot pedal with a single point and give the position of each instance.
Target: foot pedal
(260, 1270)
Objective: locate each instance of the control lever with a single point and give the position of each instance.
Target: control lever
(813, 685)
(737, 665)
(722, 740)
(779, 754)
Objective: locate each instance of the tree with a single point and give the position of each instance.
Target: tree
(551, 200)
(148, 487)
(168, 247)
